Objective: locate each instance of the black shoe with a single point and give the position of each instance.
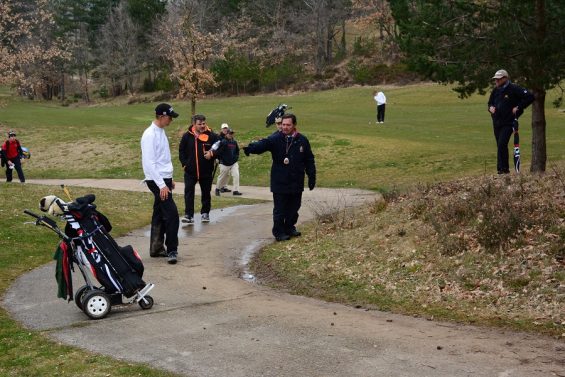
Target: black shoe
(172, 258)
(160, 254)
(237, 193)
(225, 189)
(187, 220)
(295, 233)
(217, 192)
(284, 237)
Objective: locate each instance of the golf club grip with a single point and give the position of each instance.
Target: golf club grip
(27, 212)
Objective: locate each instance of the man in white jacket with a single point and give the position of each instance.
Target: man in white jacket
(158, 170)
(380, 98)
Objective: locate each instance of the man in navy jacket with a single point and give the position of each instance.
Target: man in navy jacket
(292, 159)
(506, 103)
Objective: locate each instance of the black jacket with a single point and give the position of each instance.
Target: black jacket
(287, 178)
(506, 98)
(191, 153)
(228, 154)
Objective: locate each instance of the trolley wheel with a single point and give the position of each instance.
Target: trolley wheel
(96, 304)
(146, 302)
(79, 296)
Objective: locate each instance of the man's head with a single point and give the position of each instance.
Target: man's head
(164, 115)
(225, 128)
(278, 123)
(11, 133)
(288, 124)
(199, 123)
(229, 133)
(500, 77)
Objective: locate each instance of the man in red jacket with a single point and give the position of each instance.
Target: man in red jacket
(11, 157)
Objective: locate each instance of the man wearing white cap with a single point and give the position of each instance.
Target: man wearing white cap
(228, 155)
(224, 130)
(506, 103)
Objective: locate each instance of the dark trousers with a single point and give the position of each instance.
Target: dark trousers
(18, 168)
(381, 113)
(285, 212)
(502, 137)
(165, 221)
(205, 188)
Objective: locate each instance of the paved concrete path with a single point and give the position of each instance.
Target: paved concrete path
(208, 321)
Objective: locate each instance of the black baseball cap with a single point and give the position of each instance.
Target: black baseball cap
(165, 109)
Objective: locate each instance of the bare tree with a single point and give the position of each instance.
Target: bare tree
(181, 39)
(119, 50)
(30, 53)
(326, 17)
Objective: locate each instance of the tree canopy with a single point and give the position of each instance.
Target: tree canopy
(465, 42)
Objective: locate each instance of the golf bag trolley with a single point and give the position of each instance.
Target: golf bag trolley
(112, 274)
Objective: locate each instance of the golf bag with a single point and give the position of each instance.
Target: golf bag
(118, 269)
(277, 112)
(110, 272)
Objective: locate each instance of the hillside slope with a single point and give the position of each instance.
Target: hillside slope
(486, 250)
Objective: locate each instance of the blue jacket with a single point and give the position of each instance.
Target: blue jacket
(228, 153)
(504, 99)
(287, 178)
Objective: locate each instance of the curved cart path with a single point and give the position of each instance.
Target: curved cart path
(207, 321)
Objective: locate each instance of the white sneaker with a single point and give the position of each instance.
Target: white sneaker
(205, 218)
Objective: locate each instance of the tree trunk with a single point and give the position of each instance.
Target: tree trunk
(62, 87)
(539, 151)
(329, 45)
(343, 43)
(85, 94)
(539, 155)
(193, 105)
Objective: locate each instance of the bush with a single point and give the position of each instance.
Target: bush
(161, 82)
(493, 214)
(103, 92)
(364, 46)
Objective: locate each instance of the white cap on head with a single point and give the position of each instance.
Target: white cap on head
(225, 125)
(500, 74)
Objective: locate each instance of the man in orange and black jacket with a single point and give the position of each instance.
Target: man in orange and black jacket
(197, 158)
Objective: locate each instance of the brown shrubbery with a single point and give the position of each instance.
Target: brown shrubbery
(494, 213)
(483, 250)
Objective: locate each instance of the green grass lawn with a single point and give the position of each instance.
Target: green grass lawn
(429, 135)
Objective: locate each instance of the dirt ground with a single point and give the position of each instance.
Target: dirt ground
(211, 319)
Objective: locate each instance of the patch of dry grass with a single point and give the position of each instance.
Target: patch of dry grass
(486, 250)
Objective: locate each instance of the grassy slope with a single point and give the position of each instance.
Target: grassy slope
(487, 250)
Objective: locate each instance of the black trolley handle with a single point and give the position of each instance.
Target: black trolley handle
(46, 222)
